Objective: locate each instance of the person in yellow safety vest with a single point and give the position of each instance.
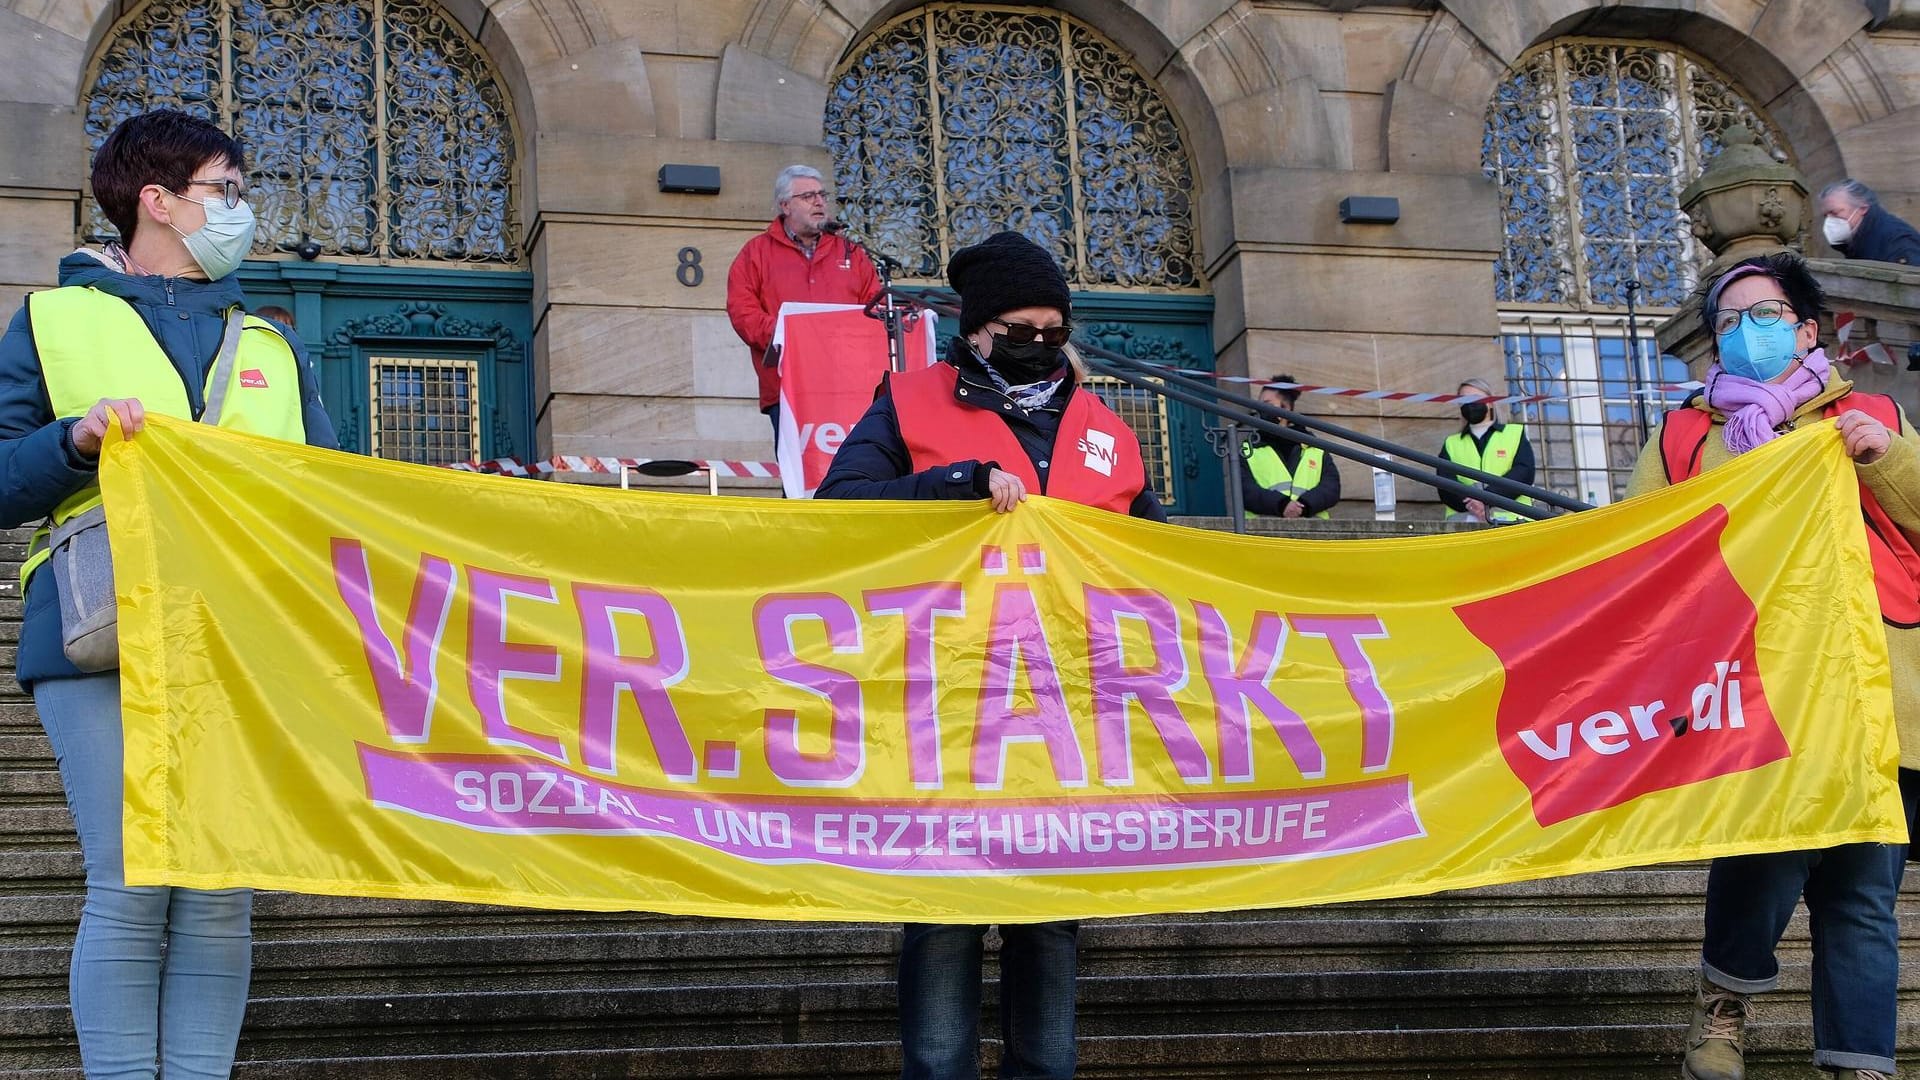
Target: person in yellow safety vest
(133, 331)
(1484, 443)
(1280, 478)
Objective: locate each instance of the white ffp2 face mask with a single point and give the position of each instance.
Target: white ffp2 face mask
(1836, 230)
(219, 246)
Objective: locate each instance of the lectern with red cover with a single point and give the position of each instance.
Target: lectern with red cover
(831, 359)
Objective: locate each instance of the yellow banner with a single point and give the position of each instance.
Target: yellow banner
(351, 676)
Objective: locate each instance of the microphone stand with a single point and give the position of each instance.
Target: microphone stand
(883, 307)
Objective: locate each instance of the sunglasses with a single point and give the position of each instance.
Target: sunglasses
(1020, 333)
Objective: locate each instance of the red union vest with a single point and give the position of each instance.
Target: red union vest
(1096, 459)
(1896, 565)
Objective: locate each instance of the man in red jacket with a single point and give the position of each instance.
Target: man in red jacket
(795, 259)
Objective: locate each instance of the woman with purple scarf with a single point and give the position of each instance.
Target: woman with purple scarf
(1770, 376)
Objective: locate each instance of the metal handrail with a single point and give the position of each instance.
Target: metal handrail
(1498, 491)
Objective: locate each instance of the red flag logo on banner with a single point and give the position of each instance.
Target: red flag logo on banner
(1657, 688)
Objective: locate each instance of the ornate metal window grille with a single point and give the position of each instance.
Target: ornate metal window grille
(1585, 443)
(377, 128)
(1146, 413)
(425, 411)
(955, 122)
(1591, 143)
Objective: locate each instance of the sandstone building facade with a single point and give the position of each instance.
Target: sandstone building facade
(497, 271)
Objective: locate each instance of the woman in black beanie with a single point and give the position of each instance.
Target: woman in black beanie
(1003, 416)
(924, 436)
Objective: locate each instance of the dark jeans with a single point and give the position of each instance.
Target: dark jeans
(1850, 891)
(940, 1001)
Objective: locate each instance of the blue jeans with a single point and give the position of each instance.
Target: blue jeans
(940, 1001)
(1850, 891)
(158, 973)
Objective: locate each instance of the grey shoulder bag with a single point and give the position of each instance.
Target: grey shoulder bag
(82, 559)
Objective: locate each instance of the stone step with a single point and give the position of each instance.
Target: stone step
(21, 746)
(1776, 1051)
(36, 784)
(458, 1018)
(17, 714)
(33, 956)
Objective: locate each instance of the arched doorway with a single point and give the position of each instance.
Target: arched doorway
(382, 156)
(1591, 142)
(955, 121)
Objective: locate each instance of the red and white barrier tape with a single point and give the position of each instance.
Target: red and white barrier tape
(768, 470)
(1416, 397)
(1874, 353)
(575, 463)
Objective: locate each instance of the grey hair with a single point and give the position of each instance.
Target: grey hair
(1485, 387)
(1859, 193)
(783, 184)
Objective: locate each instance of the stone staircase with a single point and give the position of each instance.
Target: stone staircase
(1588, 976)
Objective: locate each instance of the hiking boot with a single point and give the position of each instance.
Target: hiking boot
(1717, 1039)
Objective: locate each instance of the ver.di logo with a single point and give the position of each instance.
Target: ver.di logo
(1657, 687)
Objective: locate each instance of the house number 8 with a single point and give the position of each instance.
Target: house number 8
(689, 271)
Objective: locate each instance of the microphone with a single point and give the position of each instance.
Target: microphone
(833, 225)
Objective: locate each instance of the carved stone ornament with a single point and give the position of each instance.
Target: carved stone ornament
(1745, 203)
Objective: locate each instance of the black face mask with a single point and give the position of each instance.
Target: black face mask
(1473, 412)
(1022, 364)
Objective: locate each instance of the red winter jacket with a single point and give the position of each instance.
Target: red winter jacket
(771, 270)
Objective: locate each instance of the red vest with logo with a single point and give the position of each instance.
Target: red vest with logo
(1896, 565)
(1096, 459)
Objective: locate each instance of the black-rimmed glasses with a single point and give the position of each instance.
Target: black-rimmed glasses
(1020, 333)
(230, 189)
(1763, 313)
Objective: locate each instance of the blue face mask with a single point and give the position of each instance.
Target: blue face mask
(1759, 353)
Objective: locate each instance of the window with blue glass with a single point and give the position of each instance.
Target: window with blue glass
(374, 128)
(1599, 408)
(1591, 143)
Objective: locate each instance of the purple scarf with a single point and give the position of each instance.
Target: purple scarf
(1754, 409)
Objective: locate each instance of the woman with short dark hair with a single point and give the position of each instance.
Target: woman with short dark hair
(1768, 376)
(155, 323)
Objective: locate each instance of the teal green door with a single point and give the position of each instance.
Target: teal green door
(1175, 331)
(424, 365)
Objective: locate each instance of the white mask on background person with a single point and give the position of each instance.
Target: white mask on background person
(219, 246)
(1836, 230)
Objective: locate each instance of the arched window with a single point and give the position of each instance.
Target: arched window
(954, 122)
(375, 128)
(1591, 143)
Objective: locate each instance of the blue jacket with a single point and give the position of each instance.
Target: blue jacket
(1883, 238)
(873, 462)
(38, 465)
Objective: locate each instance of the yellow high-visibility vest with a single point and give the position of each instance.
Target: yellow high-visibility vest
(1502, 446)
(1270, 472)
(94, 345)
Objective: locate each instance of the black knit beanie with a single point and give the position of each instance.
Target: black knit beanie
(1005, 272)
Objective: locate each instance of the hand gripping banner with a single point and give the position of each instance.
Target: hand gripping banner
(351, 676)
